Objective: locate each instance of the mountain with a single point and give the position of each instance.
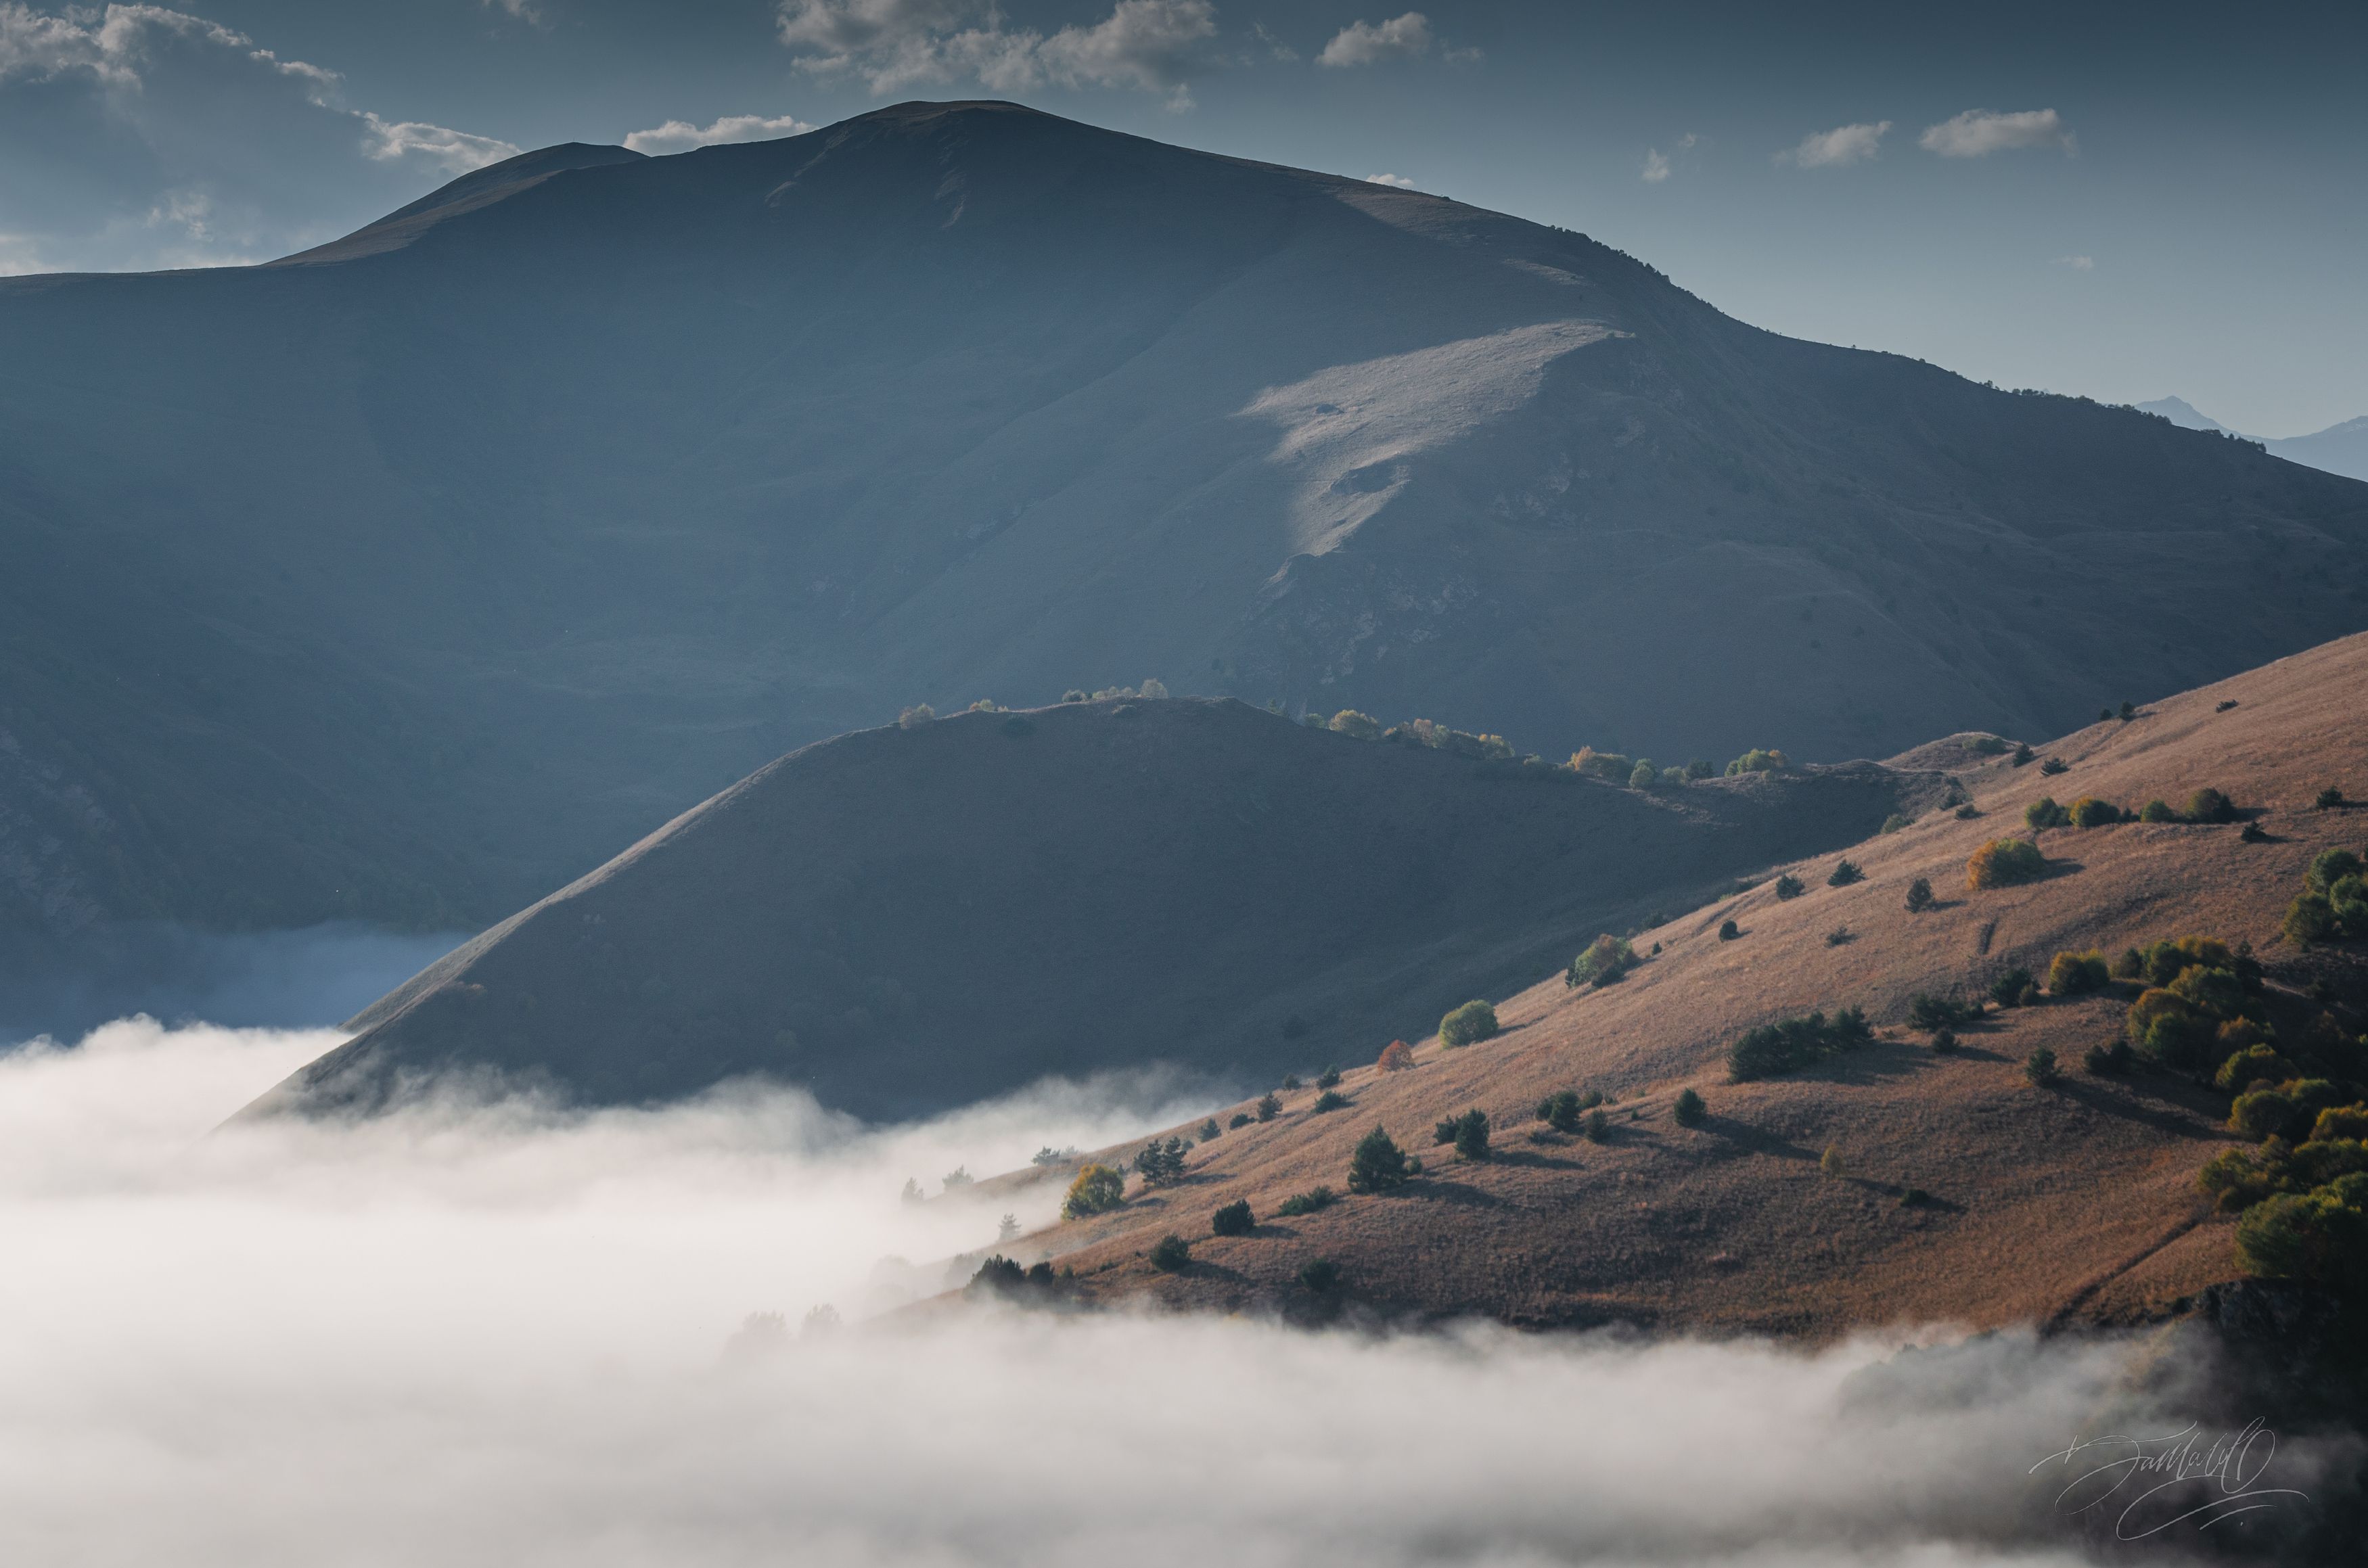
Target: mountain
(406, 579)
(909, 919)
(2339, 449)
(2182, 413)
(2076, 1202)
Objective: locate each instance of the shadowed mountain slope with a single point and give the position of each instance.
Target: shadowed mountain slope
(907, 920)
(2072, 1201)
(403, 580)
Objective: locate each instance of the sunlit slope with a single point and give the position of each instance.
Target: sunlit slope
(910, 919)
(406, 579)
(2077, 1200)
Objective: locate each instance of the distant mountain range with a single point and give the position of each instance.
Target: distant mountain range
(406, 579)
(2339, 449)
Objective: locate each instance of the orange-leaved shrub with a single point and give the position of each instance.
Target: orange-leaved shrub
(1396, 1057)
(2003, 863)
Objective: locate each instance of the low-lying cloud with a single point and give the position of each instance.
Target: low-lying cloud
(1156, 45)
(502, 1335)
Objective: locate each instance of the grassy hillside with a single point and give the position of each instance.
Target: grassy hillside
(909, 919)
(2077, 1199)
(404, 580)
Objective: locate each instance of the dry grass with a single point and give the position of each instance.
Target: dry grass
(2072, 1201)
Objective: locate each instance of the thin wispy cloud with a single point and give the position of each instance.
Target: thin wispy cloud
(1978, 132)
(1398, 181)
(681, 135)
(2077, 263)
(198, 145)
(1154, 45)
(1369, 43)
(1842, 144)
(1657, 166)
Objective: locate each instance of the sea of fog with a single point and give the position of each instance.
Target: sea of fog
(496, 1336)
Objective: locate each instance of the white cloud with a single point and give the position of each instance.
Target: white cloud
(1978, 132)
(2077, 263)
(1842, 144)
(1399, 181)
(1657, 162)
(1157, 45)
(681, 136)
(472, 1337)
(435, 146)
(1368, 43)
(139, 136)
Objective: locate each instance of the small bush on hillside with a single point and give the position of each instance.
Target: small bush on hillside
(2282, 1110)
(1944, 1041)
(1604, 960)
(2309, 919)
(1688, 1108)
(1161, 1163)
(1728, 931)
(2320, 1236)
(1098, 1190)
(2331, 866)
(2040, 1067)
(2209, 805)
(1239, 1119)
(2167, 1029)
(1919, 895)
(2090, 812)
(1330, 1100)
(1209, 1132)
(1319, 1275)
(1758, 760)
(1355, 725)
(1470, 1135)
(1396, 1057)
(2129, 711)
(1845, 873)
(2156, 810)
(913, 718)
(1170, 1254)
(1562, 1109)
(2004, 863)
(1597, 1126)
(1642, 776)
(1831, 1162)
(1074, 694)
(1307, 1202)
(2348, 1123)
(1269, 1105)
(2253, 832)
(1377, 1163)
(2329, 798)
(2257, 1064)
(1328, 1079)
(2023, 754)
(1840, 935)
(1048, 1155)
(1926, 1011)
(2015, 988)
(1788, 886)
(2131, 965)
(2054, 766)
(1781, 1047)
(1467, 1024)
(1987, 745)
(1967, 812)
(1233, 1219)
(2077, 974)
(2107, 1061)
(2044, 813)
(1895, 822)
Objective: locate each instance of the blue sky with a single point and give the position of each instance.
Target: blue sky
(2119, 201)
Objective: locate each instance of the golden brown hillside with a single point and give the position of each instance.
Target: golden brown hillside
(2072, 1201)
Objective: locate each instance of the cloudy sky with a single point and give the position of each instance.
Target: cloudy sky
(2121, 200)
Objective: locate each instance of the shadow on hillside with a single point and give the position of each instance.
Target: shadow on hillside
(2164, 1113)
(1869, 1063)
(1434, 1185)
(1752, 1139)
(1532, 1159)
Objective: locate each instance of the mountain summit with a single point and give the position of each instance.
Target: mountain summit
(412, 577)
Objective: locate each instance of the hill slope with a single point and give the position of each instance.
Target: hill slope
(403, 580)
(2077, 1200)
(906, 920)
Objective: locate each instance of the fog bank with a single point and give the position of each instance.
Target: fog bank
(469, 1335)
